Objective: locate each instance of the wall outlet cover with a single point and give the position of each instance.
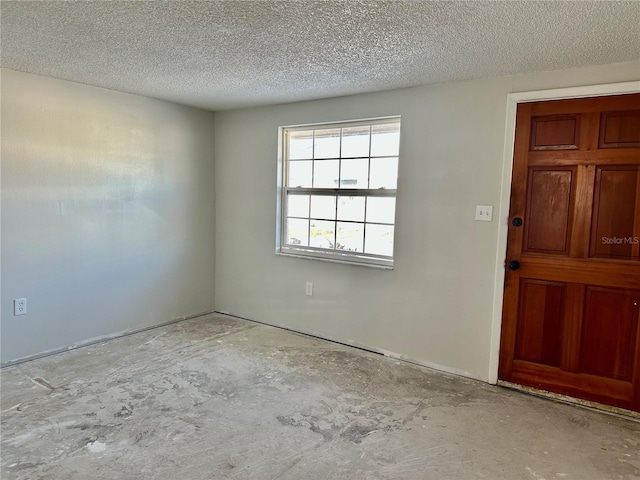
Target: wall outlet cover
(20, 306)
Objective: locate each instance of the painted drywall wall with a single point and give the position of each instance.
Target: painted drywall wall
(436, 306)
(107, 212)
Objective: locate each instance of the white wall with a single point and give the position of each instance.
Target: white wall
(435, 307)
(107, 212)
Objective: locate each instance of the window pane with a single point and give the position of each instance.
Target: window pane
(350, 237)
(351, 208)
(298, 206)
(384, 173)
(325, 173)
(324, 166)
(297, 232)
(381, 209)
(323, 207)
(322, 233)
(355, 142)
(354, 173)
(379, 240)
(327, 143)
(385, 140)
(299, 174)
(301, 144)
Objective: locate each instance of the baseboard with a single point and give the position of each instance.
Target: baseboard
(367, 348)
(101, 339)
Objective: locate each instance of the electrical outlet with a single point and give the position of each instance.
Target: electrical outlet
(309, 289)
(484, 213)
(20, 306)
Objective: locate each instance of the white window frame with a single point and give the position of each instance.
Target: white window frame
(283, 190)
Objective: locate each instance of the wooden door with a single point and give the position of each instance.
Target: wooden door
(572, 290)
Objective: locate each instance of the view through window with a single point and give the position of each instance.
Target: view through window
(339, 190)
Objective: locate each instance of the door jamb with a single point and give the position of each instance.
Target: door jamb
(513, 99)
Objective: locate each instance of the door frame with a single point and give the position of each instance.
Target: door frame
(513, 99)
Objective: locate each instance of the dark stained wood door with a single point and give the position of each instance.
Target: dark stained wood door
(572, 290)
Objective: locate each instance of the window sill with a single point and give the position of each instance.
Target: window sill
(336, 259)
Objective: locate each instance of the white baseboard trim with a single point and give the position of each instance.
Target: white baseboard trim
(368, 348)
(100, 339)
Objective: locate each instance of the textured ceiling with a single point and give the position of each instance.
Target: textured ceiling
(229, 54)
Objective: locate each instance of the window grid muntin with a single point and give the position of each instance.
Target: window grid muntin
(335, 230)
(336, 192)
(342, 221)
(335, 220)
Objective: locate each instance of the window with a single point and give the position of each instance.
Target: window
(338, 191)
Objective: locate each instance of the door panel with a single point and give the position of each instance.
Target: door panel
(620, 129)
(559, 132)
(540, 327)
(608, 333)
(615, 213)
(570, 314)
(549, 210)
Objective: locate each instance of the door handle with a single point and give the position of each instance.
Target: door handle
(516, 222)
(514, 265)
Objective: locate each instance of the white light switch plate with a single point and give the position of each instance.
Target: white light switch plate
(484, 213)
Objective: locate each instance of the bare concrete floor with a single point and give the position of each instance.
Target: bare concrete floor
(217, 397)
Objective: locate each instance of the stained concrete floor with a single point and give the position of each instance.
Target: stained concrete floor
(217, 397)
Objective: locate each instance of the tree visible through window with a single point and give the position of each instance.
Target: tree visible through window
(339, 190)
